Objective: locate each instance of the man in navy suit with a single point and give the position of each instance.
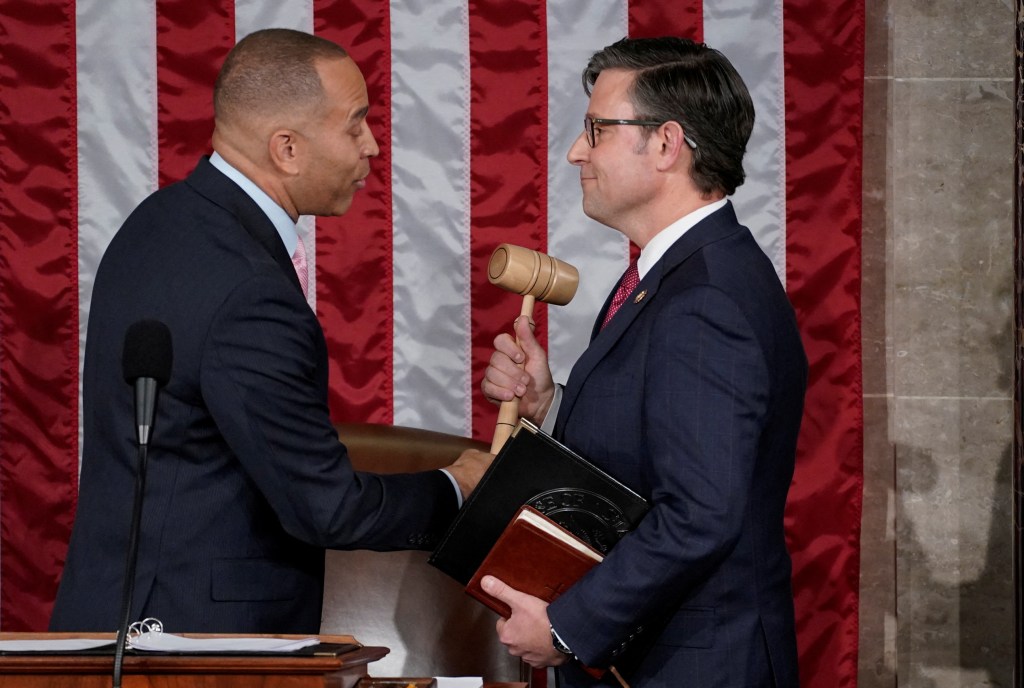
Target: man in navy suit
(247, 482)
(691, 393)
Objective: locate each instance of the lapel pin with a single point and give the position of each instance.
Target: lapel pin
(640, 296)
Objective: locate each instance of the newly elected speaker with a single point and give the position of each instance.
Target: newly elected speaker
(690, 391)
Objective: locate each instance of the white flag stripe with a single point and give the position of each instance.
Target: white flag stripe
(117, 131)
(430, 206)
(749, 33)
(599, 253)
(253, 15)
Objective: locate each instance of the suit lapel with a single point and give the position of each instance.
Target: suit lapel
(208, 181)
(709, 230)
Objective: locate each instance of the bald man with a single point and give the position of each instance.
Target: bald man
(247, 483)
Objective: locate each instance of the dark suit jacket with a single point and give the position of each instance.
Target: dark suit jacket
(693, 396)
(247, 482)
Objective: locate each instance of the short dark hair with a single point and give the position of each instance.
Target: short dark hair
(271, 69)
(689, 83)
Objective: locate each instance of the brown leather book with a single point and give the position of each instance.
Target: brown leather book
(534, 555)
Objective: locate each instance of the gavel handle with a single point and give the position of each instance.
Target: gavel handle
(508, 412)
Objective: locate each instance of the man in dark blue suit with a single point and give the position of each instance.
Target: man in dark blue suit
(691, 392)
(247, 482)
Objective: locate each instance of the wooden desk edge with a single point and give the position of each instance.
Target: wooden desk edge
(186, 664)
(112, 636)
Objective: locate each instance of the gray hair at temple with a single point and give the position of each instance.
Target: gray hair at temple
(689, 83)
(272, 70)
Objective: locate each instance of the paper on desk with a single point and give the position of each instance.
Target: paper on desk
(53, 644)
(460, 682)
(168, 642)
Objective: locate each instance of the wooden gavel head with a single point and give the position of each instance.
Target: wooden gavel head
(532, 273)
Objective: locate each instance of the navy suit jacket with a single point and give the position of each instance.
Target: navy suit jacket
(693, 396)
(247, 482)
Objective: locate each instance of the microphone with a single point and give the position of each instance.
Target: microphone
(146, 364)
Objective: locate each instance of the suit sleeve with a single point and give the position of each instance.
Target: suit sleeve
(705, 395)
(263, 384)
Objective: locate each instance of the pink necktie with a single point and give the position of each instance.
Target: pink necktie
(299, 262)
(630, 279)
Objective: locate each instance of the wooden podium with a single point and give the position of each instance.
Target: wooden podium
(37, 670)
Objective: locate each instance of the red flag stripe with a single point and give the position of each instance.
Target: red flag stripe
(508, 168)
(824, 102)
(38, 304)
(680, 18)
(192, 39)
(354, 253)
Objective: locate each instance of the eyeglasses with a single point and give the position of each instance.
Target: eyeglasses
(589, 122)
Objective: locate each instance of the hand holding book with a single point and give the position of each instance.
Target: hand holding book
(536, 556)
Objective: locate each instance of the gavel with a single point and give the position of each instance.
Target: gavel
(535, 276)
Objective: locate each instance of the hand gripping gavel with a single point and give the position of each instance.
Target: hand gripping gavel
(535, 276)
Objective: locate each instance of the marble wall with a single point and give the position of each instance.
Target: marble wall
(937, 605)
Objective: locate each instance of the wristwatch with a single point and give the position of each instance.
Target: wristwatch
(558, 644)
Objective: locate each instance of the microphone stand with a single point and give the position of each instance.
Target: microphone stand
(146, 363)
(129, 568)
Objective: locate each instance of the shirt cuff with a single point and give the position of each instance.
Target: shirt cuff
(455, 484)
(548, 425)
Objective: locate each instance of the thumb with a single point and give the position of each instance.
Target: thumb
(497, 588)
(527, 341)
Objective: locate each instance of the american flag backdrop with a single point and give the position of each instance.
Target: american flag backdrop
(474, 104)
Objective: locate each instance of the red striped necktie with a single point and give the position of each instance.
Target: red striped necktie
(627, 284)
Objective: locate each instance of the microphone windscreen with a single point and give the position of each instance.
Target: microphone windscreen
(147, 352)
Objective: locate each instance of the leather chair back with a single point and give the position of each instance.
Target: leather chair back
(397, 599)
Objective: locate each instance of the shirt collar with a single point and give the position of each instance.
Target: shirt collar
(664, 239)
(278, 217)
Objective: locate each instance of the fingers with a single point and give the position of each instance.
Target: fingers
(526, 631)
(499, 386)
(497, 588)
(520, 370)
(506, 344)
(503, 379)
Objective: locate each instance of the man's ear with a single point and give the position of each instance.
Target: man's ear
(670, 136)
(285, 148)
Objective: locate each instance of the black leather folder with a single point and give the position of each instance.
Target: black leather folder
(536, 470)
